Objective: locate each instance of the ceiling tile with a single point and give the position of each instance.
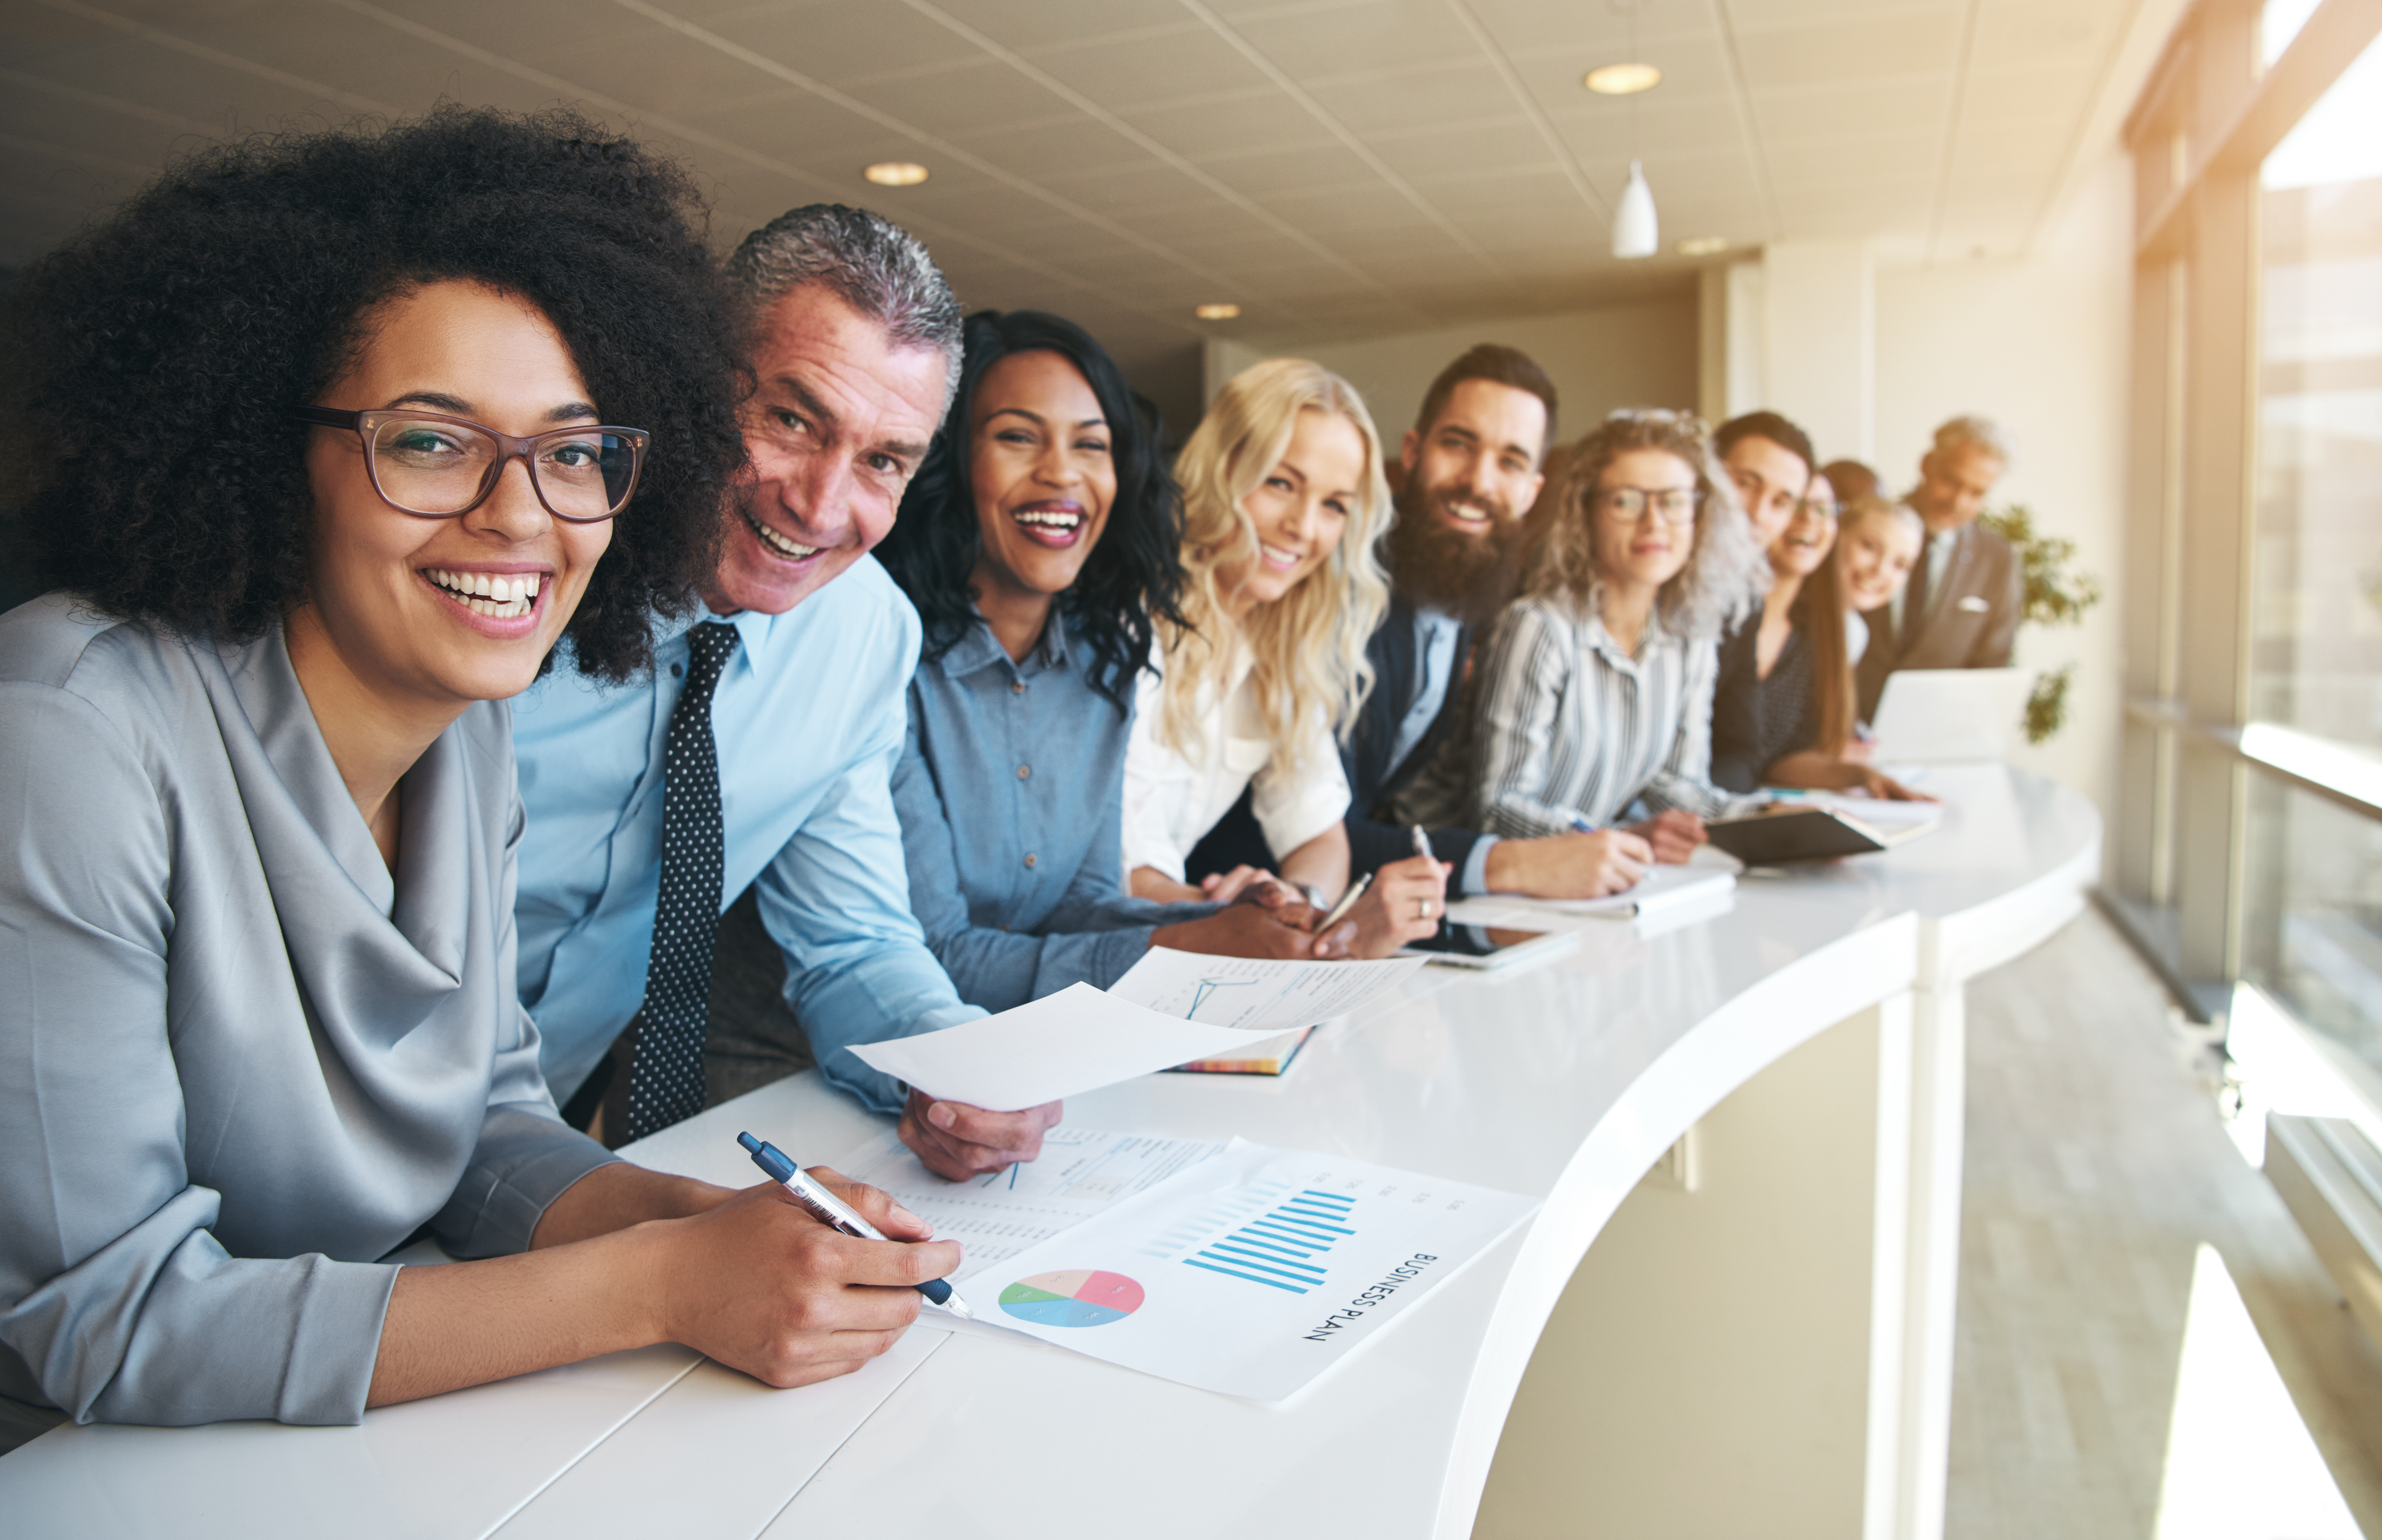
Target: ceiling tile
(1121, 73)
(1849, 52)
(843, 44)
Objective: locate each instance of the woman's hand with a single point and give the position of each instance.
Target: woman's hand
(762, 1286)
(1674, 834)
(1229, 888)
(1590, 865)
(1255, 930)
(1877, 783)
(1404, 905)
(751, 1280)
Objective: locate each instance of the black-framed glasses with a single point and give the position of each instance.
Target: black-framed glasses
(1626, 504)
(434, 466)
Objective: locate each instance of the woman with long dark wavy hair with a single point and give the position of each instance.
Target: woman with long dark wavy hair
(1039, 543)
(319, 446)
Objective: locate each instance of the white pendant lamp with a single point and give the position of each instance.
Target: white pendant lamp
(1635, 234)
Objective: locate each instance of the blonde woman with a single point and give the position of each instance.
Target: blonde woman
(1595, 692)
(1284, 508)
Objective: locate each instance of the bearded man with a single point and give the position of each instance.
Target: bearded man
(1473, 465)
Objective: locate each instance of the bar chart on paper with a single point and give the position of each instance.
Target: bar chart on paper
(1250, 1273)
(1287, 1247)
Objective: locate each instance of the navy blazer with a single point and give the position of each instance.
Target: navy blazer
(1365, 756)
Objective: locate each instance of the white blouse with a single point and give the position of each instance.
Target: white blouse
(1172, 800)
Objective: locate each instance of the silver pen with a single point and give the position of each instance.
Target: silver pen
(835, 1214)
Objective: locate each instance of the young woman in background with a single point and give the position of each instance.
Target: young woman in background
(1595, 691)
(1040, 543)
(1285, 506)
(1783, 710)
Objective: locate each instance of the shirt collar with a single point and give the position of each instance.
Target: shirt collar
(978, 648)
(755, 632)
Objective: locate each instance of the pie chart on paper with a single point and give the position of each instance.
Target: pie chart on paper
(1071, 1299)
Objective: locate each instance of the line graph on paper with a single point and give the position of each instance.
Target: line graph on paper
(1208, 988)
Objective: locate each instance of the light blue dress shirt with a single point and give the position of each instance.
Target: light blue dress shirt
(1011, 795)
(809, 720)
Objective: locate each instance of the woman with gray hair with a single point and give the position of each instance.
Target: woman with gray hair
(1595, 691)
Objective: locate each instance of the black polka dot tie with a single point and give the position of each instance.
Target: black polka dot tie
(666, 1081)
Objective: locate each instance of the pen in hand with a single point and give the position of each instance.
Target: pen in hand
(835, 1214)
(1347, 901)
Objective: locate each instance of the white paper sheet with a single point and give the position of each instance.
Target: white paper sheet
(1046, 1050)
(1257, 994)
(1251, 1273)
(1661, 887)
(1083, 1173)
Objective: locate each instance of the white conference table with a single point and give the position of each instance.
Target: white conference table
(1779, 1360)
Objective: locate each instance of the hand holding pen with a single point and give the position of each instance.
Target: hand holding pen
(815, 1198)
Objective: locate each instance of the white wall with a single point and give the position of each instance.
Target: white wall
(1636, 355)
(2041, 345)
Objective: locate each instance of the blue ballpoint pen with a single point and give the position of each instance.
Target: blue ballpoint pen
(832, 1212)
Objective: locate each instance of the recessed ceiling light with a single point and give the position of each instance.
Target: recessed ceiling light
(1217, 312)
(1622, 80)
(1702, 245)
(895, 173)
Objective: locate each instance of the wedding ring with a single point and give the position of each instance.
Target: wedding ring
(1426, 907)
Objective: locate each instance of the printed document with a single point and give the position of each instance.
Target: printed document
(1250, 1273)
(1257, 994)
(1046, 1050)
(1083, 1173)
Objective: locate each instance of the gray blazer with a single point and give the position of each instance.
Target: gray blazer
(239, 1063)
(1970, 620)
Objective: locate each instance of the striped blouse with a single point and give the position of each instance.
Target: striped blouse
(1565, 726)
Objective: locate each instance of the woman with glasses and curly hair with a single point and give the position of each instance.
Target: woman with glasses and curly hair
(1594, 693)
(1040, 543)
(320, 446)
(1285, 508)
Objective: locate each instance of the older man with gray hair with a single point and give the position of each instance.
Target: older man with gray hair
(1961, 608)
(760, 754)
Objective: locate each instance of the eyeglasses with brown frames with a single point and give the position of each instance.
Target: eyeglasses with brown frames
(434, 466)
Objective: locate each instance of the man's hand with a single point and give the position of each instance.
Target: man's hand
(1674, 834)
(762, 1286)
(1256, 929)
(1568, 865)
(957, 1140)
(1405, 903)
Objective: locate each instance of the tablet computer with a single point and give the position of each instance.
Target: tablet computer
(1461, 946)
(1788, 832)
(1948, 715)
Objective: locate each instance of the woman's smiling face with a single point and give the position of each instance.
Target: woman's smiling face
(1810, 535)
(411, 605)
(1299, 509)
(1041, 471)
(1876, 554)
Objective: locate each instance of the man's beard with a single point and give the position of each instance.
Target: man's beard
(1435, 565)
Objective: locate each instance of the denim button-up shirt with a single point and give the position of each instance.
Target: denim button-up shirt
(1011, 793)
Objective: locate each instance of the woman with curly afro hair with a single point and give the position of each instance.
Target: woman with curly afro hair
(320, 444)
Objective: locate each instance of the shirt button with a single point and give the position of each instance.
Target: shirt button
(1017, 687)
(678, 671)
(1029, 857)
(1024, 771)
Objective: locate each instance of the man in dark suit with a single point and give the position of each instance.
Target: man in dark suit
(1472, 465)
(1961, 608)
